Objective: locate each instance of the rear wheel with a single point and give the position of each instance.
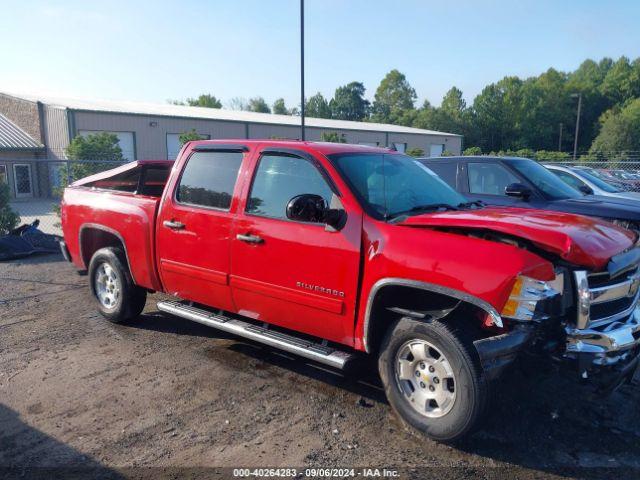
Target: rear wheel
(117, 297)
(432, 379)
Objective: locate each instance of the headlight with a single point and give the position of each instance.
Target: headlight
(528, 298)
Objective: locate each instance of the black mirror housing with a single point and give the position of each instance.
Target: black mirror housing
(517, 190)
(586, 189)
(313, 208)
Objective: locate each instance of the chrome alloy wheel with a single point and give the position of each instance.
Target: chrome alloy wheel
(425, 378)
(107, 286)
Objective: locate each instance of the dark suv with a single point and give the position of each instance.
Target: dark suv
(521, 182)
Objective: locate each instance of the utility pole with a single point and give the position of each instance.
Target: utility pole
(560, 138)
(575, 142)
(302, 70)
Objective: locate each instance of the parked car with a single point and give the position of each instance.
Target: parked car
(631, 180)
(521, 182)
(329, 251)
(583, 179)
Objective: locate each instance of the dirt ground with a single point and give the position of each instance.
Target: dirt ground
(79, 393)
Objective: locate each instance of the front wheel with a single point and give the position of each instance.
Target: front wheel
(117, 297)
(432, 379)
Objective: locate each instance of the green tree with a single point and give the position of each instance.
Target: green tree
(279, 107)
(622, 82)
(348, 102)
(8, 218)
(415, 152)
(238, 103)
(258, 104)
(100, 151)
(333, 137)
(318, 107)
(189, 136)
(496, 115)
(546, 156)
(205, 100)
(393, 97)
(472, 151)
(619, 135)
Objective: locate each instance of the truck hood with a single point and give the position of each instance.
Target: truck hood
(583, 241)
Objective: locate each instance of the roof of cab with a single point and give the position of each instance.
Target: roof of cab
(325, 148)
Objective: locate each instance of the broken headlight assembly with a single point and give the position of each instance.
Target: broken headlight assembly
(533, 300)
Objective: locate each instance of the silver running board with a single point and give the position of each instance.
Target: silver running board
(289, 343)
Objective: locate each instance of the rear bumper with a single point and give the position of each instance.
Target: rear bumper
(65, 251)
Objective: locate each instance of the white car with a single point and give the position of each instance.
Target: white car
(583, 179)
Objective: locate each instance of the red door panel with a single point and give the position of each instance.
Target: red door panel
(300, 275)
(194, 228)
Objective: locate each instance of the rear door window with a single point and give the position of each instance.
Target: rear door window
(446, 171)
(489, 178)
(209, 178)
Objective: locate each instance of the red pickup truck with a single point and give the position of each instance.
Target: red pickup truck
(329, 250)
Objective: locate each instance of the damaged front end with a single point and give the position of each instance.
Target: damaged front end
(588, 321)
(603, 338)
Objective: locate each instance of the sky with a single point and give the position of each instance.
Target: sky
(158, 50)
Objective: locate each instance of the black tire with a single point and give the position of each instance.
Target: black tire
(471, 390)
(130, 300)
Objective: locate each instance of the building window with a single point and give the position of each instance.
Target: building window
(3, 174)
(174, 145)
(22, 180)
(436, 149)
(126, 141)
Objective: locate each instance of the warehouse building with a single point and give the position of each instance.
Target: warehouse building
(152, 131)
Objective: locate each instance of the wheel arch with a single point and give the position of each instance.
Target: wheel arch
(93, 236)
(377, 315)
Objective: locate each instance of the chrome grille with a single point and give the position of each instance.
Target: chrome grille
(603, 299)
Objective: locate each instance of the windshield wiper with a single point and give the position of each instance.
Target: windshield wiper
(477, 203)
(431, 207)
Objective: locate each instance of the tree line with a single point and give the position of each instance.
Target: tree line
(512, 114)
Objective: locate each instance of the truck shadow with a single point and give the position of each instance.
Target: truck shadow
(537, 419)
(26, 452)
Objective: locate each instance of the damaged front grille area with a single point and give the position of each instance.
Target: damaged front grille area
(603, 299)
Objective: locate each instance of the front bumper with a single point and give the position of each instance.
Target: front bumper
(609, 353)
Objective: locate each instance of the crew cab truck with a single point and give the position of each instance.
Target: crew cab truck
(329, 251)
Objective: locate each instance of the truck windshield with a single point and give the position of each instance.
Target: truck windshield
(552, 187)
(395, 184)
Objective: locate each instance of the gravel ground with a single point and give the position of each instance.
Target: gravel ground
(79, 393)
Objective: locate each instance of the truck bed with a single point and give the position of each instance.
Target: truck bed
(99, 208)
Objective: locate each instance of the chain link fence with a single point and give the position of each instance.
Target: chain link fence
(36, 185)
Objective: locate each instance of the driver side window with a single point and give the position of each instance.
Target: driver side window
(278, 179)
(489, 178)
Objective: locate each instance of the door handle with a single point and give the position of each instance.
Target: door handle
(249, 238)
(173, 224)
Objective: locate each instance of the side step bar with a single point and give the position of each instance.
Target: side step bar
(305, 348)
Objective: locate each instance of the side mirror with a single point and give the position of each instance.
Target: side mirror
(518, 190)
(586, 189)
(314, 209)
